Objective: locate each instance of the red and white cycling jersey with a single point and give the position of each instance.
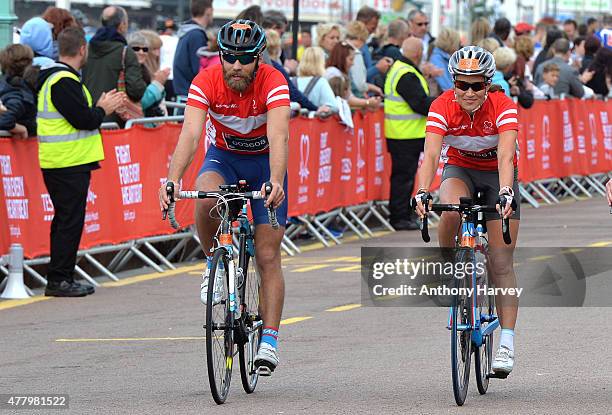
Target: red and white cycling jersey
(237, 121)
(472, 143)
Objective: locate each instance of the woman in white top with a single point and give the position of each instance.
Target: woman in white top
(312, 70)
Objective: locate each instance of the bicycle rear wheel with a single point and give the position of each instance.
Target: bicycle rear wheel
(461, 341)
(219, 329)
(253, 323)
(483, 357)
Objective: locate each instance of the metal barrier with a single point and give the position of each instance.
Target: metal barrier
(359, 219)
(109, 126)
(171, 118)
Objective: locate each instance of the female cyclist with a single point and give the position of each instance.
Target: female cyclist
(478, 128)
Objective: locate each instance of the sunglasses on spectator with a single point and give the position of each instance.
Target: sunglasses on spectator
(243, 59)
(423, 24)
(475, 86)
(139, 48)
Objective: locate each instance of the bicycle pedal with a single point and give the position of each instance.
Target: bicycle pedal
(497, 375)
(264, 371)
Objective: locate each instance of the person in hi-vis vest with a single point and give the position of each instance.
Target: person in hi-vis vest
(69, 148)
(407, 103)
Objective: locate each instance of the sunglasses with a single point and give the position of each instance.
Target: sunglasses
(423, 24)
(243, 59)
(476, 86)
(138, 49)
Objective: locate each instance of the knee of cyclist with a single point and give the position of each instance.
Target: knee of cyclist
(450, 218)
(204, 206)
(501, 268)
(267, 258)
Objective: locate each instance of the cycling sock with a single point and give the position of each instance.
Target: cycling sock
(507, 339)
(270, 336)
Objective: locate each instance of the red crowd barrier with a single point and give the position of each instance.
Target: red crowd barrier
(329, 167)
(565, 138)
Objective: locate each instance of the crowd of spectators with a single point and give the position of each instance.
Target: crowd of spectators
(337, 65)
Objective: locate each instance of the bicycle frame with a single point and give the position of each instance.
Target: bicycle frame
(472, 237)
(225, 242)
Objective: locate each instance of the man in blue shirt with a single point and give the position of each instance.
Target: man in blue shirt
(370, 18)
(192, 36)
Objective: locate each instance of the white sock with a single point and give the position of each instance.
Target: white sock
(507, 339)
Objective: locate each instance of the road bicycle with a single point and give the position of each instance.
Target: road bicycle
(233, 320)
(472, 319)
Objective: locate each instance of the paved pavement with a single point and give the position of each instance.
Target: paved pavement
(137, 347)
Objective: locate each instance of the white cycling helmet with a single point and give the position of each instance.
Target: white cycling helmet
(472, 60)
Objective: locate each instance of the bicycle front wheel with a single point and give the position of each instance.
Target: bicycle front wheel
(253, 324)
(219, 328)
(483, 357)
(461, 341)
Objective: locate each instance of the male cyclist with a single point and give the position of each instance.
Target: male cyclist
(242, 106)
(479, 129)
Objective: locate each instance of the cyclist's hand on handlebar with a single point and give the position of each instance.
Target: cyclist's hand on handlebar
(164, 200)
(275, 197)
(420, 199)
(504, 203)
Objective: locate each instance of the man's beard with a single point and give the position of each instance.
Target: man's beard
(240, 85)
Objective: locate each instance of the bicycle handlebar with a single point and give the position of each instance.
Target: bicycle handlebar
(466, 208)
(196, 194)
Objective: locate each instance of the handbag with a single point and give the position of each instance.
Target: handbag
(130, 109)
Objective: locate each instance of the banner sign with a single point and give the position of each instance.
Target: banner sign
(330, 166)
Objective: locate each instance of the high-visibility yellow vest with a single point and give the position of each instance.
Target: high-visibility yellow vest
(401, 122)
(59, 143)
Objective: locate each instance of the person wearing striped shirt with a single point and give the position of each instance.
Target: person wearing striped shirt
(475, 129)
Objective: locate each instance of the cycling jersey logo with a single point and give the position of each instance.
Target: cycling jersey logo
(228, 106)
(304, 155)
(248, 144)
(485, 155)
(488, 127)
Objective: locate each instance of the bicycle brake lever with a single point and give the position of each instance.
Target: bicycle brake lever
(170, 193)
(271, 210)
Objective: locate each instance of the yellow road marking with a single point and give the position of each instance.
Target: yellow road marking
(318, 245)
(6, 304)
(293, 320)
(344, 307)
(344, 259)
(600, 244)
(386, 297)
(541, 258)
(152, 276)
(516, 264)
(350, 268)
(129, 339)
(195, 273)
(310, 268)
(572, 250)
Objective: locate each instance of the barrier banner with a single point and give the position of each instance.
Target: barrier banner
(564, 138)
(122, 202)
(330, 166)
(378, 163)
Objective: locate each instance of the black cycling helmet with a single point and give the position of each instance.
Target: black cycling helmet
(241, 37)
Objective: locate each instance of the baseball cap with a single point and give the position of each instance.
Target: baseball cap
(523, 27)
